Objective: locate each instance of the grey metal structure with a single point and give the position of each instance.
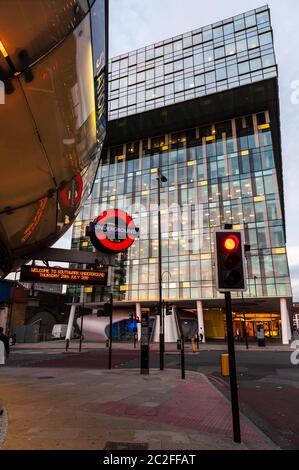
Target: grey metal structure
(53, 58)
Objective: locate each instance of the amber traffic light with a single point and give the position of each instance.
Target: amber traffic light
(230, 274)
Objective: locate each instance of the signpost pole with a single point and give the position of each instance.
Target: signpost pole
(144, 345)
(232, 369)
(81, 333)
(110, 333)
(183, 357)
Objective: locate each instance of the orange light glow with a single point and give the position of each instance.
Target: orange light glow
(3, 50)
(231, 243)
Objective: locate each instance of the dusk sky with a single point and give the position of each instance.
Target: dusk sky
(135, 23)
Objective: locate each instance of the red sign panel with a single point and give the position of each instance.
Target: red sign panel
(113, 231)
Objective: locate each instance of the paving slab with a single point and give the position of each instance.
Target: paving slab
(83, 409)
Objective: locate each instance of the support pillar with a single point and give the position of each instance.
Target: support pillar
(200, 321)
(171, 332)
(285, 321)
(138, 314)
(70, 322)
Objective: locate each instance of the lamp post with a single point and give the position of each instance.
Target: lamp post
(161, 179)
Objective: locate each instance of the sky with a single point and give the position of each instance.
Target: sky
(137, 23)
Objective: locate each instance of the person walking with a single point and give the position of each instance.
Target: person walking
(5, 341)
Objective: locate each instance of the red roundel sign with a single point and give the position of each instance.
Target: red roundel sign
(113, 231)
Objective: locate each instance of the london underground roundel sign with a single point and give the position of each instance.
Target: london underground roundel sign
(113, 231)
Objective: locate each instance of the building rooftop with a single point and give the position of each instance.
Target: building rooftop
(230, 53)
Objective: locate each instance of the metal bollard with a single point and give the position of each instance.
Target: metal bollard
(224, 365)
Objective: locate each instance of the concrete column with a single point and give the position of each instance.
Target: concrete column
(70, 322)
(289, 328)
(284, 321)
(4, 317)
(156, 330)
(171, 334)
(200, 321)
(2, 353)
(138, 314)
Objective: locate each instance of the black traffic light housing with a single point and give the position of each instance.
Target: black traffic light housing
(106, 311)
(156, 309)
(168, 309)
(230, 258)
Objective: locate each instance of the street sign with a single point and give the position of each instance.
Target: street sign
(113, 231)
(62, 275)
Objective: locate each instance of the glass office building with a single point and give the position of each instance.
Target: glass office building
(202, 107)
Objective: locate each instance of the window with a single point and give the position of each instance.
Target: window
(218, 32)
(268, 60)
(221, 74)
(200, 80)
(255, 64)
(250, 21)
(159, 51)
(219, 52)
(232, 71)
(262, 18)
(239, 25)
(241, 45)
(189, 83)
(198, 59)
(265, 39)
(243, 67)
(209, 56)
(124, 63)
(140, 77)
(123, 82)
(230, 49)
(188, 62)
(178, 86)
(169, 89)
(178, 65)
(149, 74)
(207, 35)
(197, 39)
(228, 28)
(210, 77)
(253, 42)
(168, 68)
(177, 46)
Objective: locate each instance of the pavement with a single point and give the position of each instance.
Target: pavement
(91, 409)
(169, 347)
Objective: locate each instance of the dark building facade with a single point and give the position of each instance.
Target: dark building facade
(203, 108)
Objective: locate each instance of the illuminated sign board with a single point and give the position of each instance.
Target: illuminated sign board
(113, 231)
(62, 275)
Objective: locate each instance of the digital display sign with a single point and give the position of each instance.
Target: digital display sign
(62, 275)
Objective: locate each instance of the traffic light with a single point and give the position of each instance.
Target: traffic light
(229, 249)
(106, 311)
(168, 309)
(156, 310)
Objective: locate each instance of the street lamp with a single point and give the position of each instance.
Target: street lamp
(161, 179)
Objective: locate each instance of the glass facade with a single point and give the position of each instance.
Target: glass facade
(227, 54)
(218, 173)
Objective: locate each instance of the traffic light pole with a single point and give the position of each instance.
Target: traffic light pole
(81, 326)
(232, 369)
(161, 337)
(110, 334)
